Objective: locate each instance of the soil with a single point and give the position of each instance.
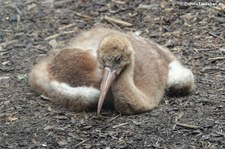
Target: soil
(195, 33)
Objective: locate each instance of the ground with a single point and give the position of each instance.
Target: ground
(194, 32)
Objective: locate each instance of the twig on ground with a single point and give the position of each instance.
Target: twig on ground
(220, 133)
(52, 37)
(216, 58)
(187, 126)
(119, 125)
(57, 35)
(81, 143)
(83, 16)
(67, 26)
(112, 119)
(214, 35)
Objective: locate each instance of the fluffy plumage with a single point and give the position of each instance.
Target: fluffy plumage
(74, 76)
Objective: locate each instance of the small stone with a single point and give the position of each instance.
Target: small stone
(81, 25)
(62, 142)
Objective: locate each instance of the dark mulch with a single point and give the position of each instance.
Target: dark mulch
(195, 33)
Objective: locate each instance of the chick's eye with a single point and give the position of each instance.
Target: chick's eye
(118, 58)
(102, 62)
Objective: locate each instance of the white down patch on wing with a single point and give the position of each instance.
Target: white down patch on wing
(84, 93)
(180, 76)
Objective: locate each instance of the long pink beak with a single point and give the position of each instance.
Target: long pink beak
(108, 78)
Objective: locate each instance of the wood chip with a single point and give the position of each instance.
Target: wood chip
(31, 6)
(187, 126)
(215, 68)
(83, 16)
(57, 35)
(49, 109)
(52, 37)
(220, 133)
(214, 35)
(49, 127)
(34, 142)
(61, 117)
(7, 43)
(112, 119)
(119, 2)
(216, 58)
(117, 21)
(62, 142)
(12, 118)
(44, 97)
(67, 26)
(81, 143)
(119, 125)
(69, 32)
(222, 49)
(4, 78)
(153, 6)
(53, 43)
(221, 7)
